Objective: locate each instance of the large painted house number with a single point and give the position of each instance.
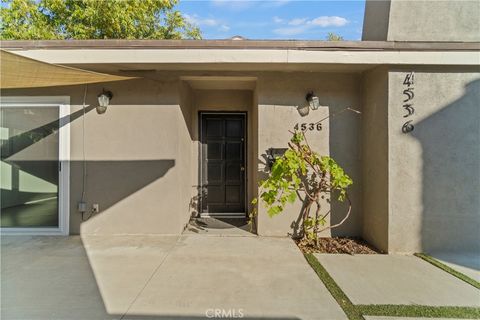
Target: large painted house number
(408, 83)
(308, 126)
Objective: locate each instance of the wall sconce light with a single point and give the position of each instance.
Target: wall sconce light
(103, 101)
(313, 100)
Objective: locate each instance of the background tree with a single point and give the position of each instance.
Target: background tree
(334, 37)
(94, 19)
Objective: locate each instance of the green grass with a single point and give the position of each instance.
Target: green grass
(337, 293)
(356, 312)
(446, 268)
(419, 311)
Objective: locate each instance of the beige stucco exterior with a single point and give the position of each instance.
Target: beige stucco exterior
(413, 191)
(434, 172)
(128, 162)
(279, 95)
(375, 157)
(421, 188)
(421, 20)
(142, 154)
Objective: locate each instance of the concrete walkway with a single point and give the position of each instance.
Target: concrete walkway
(159, 277)
(397, 279)
(466, 263)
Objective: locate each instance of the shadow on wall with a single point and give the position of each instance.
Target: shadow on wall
(344, 137)
(114, 181)
(450, 140)
(30, 176)
(345, 149)
(107, 182)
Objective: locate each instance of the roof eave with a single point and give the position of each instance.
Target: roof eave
(240, 44)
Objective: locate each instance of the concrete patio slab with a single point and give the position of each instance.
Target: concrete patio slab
(48, 278)
(262, 277)
(159, 277)
(468, 264)
(122, 265)
(397, 279)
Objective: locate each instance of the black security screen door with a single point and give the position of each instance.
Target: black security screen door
(222, 163)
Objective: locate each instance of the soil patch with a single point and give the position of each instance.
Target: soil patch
(347, 245)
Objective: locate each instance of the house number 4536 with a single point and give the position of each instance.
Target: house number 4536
(308, 126)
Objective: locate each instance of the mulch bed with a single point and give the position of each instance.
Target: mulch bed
(338, 245)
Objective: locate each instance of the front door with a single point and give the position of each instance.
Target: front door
(222, 164)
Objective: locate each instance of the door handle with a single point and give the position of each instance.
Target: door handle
(242, 168)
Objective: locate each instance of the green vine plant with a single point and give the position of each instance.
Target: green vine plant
(303, 173)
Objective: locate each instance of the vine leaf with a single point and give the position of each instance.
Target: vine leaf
(302, 170)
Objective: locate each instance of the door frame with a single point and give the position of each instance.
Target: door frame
(63, 104)
(241, 215)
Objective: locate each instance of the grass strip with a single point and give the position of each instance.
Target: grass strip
(350, 310)
(356, 312)
(446, 268)
(390, 310)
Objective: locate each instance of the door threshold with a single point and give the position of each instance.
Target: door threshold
(224, 215)
(215, 226)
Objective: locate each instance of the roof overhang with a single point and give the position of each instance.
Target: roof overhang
(137, 55)
(240, 44)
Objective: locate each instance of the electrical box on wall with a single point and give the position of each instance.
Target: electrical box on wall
(82, 207)
(274, 153)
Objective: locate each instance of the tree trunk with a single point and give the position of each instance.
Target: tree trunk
(317, 214)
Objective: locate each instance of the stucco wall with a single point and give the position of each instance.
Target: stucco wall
(421, 188)
(279, 95)
(376, 20)
(412, 192)
(142, 154)
(434, 171)
(422, 20)
(375, 158)
(132, 157)
(186, 156)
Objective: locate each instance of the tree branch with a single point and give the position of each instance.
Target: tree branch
(344, 219)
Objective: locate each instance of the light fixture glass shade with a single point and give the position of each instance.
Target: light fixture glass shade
(103, 100)
(314, 102)
(101, 110)
(303, 110)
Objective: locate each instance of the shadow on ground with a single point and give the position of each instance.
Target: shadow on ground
(158, 277)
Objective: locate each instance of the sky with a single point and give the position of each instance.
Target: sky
(275, 19)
